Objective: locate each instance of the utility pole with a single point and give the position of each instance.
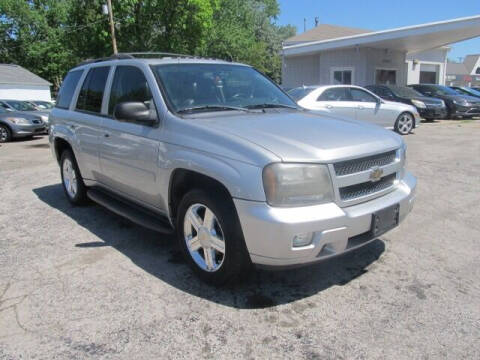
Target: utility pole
(304, 24)
(112, 27)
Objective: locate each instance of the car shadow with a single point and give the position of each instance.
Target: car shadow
(157, 254)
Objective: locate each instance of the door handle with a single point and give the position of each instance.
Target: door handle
(106, 135)
(360, 107)
(329, 106)
(73, 127)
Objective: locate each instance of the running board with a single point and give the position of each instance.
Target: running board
(134, 213)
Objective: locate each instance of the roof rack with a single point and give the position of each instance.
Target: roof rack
(134, 55)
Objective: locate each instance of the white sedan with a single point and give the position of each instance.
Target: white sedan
(357, 103)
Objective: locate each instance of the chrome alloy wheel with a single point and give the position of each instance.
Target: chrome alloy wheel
(405, 124)
(69, 178)
(3, 134)
(204, 237)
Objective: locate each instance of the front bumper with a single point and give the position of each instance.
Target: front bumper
(269, 231)
(433, 113)
(20, 130)
(459, 110)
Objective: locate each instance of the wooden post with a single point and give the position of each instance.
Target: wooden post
(112, 27)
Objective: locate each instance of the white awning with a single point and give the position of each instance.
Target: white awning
(409, 39)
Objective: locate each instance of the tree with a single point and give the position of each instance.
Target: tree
(50, 36)
(34, 38)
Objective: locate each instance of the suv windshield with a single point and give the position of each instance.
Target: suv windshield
(215, 87)
(21, 105)
(403, 91)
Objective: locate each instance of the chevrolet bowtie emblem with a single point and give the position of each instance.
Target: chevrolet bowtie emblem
(375, 174)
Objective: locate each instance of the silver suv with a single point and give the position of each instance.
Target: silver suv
(219, 154)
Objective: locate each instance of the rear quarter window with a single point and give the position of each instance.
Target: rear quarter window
(91, 94)
(67, 89)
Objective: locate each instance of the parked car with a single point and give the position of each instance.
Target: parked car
(218, 153)
(457, 105)
(26, 108)
(42, 105)
(429, 108)
(358, 103)
(15, 124)
(463, 90)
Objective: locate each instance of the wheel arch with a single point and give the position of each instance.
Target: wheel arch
(60, 145)
(183, 180)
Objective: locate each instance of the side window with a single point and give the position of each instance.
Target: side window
(91, 94)
(129, 84)
(360, 95)
(67, 89)
(477, 71)
(334, 94)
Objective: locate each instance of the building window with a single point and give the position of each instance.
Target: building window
(342, 76)
(385, 77)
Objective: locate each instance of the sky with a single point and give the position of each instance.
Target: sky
(381, 15)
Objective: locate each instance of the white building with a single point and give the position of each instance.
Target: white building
(17, 83)
(329, 54)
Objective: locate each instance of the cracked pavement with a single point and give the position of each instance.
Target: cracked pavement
(81, 282)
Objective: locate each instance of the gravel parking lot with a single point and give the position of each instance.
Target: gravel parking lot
(82, 283)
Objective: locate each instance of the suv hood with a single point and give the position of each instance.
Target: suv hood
(303, 136)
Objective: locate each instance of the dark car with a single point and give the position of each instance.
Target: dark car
(457, 105)
(463, 90)
(429, 108)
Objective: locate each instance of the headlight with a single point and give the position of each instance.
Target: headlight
(17, 120)
(419, 104)
(297, 184)
(461, 102)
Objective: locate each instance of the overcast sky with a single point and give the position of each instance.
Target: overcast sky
(381, 15)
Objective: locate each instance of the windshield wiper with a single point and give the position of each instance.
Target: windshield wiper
(212, 107)
(271, 105)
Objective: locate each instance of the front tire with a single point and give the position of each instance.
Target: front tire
(210, 237)
(5, 134)
(404, 123)
(72, 181)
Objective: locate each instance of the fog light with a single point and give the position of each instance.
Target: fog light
(302, 239)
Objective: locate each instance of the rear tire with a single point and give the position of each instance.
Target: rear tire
(72, 181)
(404, 123)
(5, 134)
(210, 237)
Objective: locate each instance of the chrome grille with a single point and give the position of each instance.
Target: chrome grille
(366, 188)
(358, 165)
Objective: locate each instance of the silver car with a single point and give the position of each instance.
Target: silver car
(218, 154)
(17, 125)
(358, 103)
(26, 108)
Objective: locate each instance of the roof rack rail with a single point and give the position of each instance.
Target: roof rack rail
(112, 57)
(133, 55)
(159, 54)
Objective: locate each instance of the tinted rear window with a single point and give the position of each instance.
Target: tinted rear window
(91, 94)
(69, 85)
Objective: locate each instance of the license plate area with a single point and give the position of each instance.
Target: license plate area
(385, 220)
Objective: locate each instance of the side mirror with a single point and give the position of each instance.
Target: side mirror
(134, 111)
